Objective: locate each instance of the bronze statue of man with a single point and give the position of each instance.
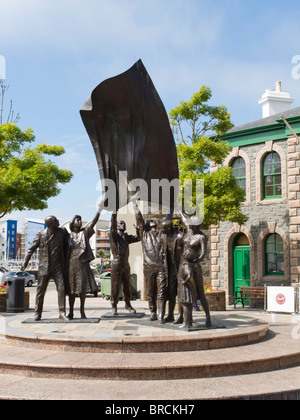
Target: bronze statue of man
(172, 247)
(53, 245)
(155, 266)
(120, 269)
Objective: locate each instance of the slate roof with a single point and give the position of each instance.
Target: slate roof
(266, 121)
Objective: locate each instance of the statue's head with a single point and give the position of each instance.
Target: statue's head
(76, 223)
(151, 224)
(51, 222)
(122, 226)
(195, 223)
(167, 227)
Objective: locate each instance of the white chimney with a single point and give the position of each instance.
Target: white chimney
(275, 101)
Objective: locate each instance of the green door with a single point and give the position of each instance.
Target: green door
(241, 266)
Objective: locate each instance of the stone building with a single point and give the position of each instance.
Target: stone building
(265, 158)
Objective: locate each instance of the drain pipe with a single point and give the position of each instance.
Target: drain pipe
(289, 126)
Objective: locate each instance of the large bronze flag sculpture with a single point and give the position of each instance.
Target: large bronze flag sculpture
(130, 132)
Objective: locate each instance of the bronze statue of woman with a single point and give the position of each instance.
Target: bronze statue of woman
(81, 278)
(190, 278)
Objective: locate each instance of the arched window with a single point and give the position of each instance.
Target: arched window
(272, 183)
(239, 171)
(274, 255)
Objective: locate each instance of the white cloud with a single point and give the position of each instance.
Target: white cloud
(73, 158)
(79, 25)
(106, 37)
(79, 159)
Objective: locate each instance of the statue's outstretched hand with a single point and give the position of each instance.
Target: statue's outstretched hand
(101, 202)
(135, 197)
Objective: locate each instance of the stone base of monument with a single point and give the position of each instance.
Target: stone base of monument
(116, 360)
(61, 321)
(198, 325)
(122, 315)
(131, 334)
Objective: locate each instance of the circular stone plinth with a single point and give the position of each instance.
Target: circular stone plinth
(134, 335)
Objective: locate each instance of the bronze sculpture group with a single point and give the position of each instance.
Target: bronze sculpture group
(65, 258)
(131, 135)
(172, 266)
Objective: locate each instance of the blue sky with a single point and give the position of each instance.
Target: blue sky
(58, 51)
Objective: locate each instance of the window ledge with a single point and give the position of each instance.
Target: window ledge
(271, 202)
(278, 278)
(246, 203)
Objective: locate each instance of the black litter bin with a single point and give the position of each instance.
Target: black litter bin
(15, 295)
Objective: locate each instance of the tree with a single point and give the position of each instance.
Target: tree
(222, 195)
(27, 178)
(11, 117)
(101, 253)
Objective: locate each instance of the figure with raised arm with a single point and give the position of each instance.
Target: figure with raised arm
(81, 278)
(155, 266)
(190, 278)
(172, 244)
(120, 269)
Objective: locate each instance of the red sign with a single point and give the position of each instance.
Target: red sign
(280, 299)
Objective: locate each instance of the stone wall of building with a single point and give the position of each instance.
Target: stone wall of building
(280, 216)
(206, 263)
(294, 206)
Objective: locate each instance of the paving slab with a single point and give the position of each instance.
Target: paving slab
(283, 384)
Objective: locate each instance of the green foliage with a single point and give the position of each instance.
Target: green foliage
(200, 116)
(222, 195)
(195, 159)
(223, 198)
(101, 253)
(27, 179)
